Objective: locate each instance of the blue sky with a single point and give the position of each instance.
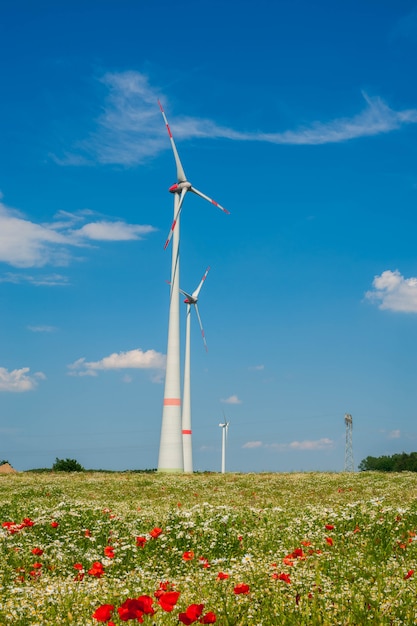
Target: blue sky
(301, 120)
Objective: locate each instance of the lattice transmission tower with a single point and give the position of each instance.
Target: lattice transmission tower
(349, 465)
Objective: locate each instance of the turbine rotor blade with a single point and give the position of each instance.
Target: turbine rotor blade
(181, 177)
(197, 291)
(187, 295)
(203, 195)
(201, 326)
(176, 218)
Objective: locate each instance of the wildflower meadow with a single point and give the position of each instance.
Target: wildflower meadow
(231, 549)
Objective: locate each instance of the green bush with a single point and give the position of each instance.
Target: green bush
(67, 465)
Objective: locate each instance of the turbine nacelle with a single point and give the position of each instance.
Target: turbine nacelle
(178, 187)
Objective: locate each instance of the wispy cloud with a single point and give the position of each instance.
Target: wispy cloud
(394, 434)
(252, 444)
(307, 444)
(19, 380)
(26, 244)
(231, 400)
(42, 329)
(394, 292)
(132, 359)
(48, 280)
(257, 368)
(130, 131)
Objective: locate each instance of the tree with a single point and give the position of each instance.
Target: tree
(396, 463)
(67, 465)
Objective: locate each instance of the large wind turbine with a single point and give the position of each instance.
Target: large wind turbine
(170, 447)
(190, 300)
(225, 428)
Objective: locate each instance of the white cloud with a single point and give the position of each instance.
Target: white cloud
(130, 129)
(252, 444)
(25, 244)
(394, 292)
(231, 400)
(18, 380)
(42, 329)
(113, 231)
(132, 359)
(318, 444)
(394, 434)
(257, 368)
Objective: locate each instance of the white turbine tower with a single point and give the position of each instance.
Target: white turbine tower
(225, 428)
(170, 447)
(190, 300)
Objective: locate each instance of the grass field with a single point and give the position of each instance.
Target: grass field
(234, 549)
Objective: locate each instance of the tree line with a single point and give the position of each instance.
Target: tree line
(396, 463)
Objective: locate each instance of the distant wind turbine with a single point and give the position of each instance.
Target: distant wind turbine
(190, 300)
(170, 447)
(225, 427)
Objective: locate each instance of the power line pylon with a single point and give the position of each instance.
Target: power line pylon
(349, 465)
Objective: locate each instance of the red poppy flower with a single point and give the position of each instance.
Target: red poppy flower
(37, 551)
(54, 524)
(168, 599)
(194, 610)
(188, 556)
(27, 522)
(329, 540)
(164, 586)
(329, 527)
(192, 614)
(283, 577)
(222, 576)
(241, 588)
(135, 608)
(109, 552)
(208, 618)
(204, 562)
(155, 532)
(97, 569)
(146, 603)
(140, 541)
(103, 613)
(8, 524)
(297, 554)
(409, 574)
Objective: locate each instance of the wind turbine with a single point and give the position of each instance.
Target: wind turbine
(170, 446)
(225, 427)
(190, 300)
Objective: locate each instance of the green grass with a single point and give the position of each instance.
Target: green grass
(266, 531)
